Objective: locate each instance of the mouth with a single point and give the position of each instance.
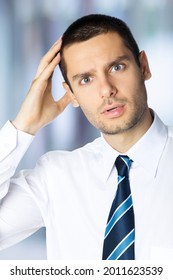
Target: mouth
(111, 107)
(114, 110)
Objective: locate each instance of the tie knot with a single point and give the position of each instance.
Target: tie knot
(123, 164)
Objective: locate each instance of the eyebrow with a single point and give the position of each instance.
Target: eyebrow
(82, 75)
(118, 60)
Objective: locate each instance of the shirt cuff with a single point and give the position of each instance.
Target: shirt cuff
(12, 139)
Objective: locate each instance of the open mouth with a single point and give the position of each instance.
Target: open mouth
(112, 109)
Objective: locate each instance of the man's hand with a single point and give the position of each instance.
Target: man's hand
(39, 107)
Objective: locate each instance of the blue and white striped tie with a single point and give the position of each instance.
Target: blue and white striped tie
(120, 229)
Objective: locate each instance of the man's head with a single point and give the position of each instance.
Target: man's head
(104, 74)
(90, 26)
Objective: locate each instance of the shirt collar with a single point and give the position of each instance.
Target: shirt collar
(146, 152)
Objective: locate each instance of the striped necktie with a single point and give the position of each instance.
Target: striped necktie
(120, 230)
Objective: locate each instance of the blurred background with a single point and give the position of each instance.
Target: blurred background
(28, 28)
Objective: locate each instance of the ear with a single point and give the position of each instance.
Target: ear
(145, 69)
(74, 101)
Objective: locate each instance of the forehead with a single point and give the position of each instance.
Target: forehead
(93, 52)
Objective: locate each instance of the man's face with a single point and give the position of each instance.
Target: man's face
(107, 83)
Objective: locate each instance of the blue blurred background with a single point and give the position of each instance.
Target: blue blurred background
(28, 28)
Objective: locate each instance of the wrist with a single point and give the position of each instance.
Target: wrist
(22, 126)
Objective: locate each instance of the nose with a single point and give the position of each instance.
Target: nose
(107, 89)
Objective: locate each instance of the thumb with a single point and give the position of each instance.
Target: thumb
(63, 102)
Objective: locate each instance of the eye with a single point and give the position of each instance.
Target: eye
(85, 80)
(117, 67)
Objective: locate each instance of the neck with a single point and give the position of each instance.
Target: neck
(122, 142)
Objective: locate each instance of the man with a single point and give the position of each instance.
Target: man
(71, 193)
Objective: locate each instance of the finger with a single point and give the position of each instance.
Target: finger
(49, 69)
(57, 42)
(48, 57)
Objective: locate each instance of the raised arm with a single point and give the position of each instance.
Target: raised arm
(39, 107)
(20, 214)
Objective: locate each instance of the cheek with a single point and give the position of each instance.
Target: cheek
(139, 99)
(89, 108)
(87, 99)
(134, 86)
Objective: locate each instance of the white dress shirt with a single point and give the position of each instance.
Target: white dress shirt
(70, 193)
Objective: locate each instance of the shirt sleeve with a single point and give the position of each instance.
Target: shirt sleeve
(13, 145)
(20, 215)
